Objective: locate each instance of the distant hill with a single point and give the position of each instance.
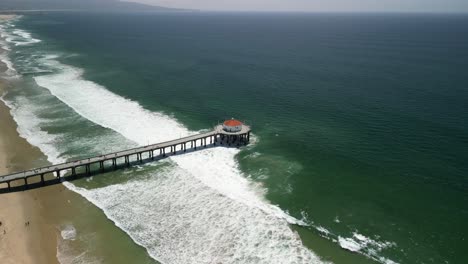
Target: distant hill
(98, 5)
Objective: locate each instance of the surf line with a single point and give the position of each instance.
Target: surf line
(232, 133)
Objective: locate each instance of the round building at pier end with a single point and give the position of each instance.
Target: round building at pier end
(232, 126)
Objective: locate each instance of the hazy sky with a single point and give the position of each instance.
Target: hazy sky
(317, 5)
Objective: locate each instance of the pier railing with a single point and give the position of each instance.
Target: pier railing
(72, 170)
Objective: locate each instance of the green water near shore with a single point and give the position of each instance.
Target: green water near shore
(360, 120)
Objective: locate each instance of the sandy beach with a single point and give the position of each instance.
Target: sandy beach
(6, 17)
(25, 235)
(20, 242)
(33, 221)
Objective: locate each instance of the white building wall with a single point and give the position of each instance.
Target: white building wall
(232, 128)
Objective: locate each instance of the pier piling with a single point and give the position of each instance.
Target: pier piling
(218, 136)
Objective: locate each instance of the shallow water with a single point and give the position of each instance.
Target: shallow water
(359, 124)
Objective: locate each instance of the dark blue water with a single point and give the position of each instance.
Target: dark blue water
(361, 119)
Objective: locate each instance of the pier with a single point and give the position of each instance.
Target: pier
(222, 135)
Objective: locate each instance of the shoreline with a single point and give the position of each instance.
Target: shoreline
(47, 197)
(21, 243)
(62, 223)
(25, 235)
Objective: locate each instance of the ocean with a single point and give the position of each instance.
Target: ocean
(360, 133)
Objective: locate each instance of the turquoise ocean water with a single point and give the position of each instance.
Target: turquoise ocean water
(360, 130)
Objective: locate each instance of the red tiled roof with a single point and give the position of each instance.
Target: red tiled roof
(232, 122)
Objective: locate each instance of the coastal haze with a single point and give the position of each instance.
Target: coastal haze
(415, 6)
(419, 6)
(357, 153)
(90, 5)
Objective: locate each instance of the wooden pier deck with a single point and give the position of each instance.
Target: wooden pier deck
(215, 137)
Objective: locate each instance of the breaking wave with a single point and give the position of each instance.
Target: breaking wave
(207, 214)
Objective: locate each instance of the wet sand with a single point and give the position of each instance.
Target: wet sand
(6, 17)
(48, 211)
(51, 210)
(25, 235)
(20, 242)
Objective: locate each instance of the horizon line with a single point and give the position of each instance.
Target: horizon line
(171, 10)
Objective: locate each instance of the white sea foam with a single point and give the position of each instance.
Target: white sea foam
(29, 127)
(220, 172)
(20, 37)
(97, 104)
(68, 232)
(336, 220)
(209, 213)
(323, 230)
(350, 244)
(224, 195)
(3, 44)
(122, 115)
(11, 71)
(357, 243)
(366, 246)
(67, 255)
(172, 211)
